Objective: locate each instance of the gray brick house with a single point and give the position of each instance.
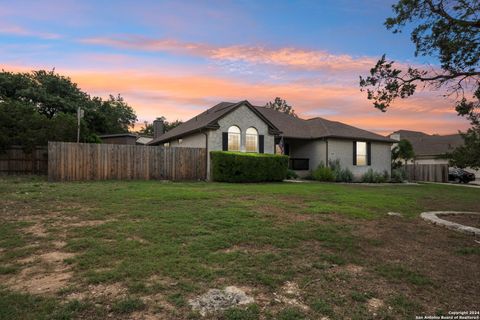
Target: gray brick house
(246, 128)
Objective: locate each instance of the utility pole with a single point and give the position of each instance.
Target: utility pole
(80, 114)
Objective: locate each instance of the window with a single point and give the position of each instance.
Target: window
(299, 164)
(234, 138)
(180, 141)
(166, 144)
(251, 141)
(361, 153)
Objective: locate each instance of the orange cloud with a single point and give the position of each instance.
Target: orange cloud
(184, 97)
(154, 94)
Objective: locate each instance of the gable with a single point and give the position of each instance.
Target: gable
(244, 118)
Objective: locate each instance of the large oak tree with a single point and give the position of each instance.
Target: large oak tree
(448, 30)
(39, 106)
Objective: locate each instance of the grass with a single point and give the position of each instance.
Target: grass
(250, 313)
(322, 307)
(128, 305)
(173, 241)
(469, 251)
(400, 273)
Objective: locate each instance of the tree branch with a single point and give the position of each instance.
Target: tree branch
(441, 12)
(440, 77)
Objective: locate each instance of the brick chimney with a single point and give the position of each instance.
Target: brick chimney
(158, 128)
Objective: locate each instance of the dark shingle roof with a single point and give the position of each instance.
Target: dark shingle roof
(315, 128)
(431, 145)
(279, 122)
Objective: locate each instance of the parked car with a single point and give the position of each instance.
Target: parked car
(460, 176)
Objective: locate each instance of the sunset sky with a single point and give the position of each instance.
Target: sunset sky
(177, 58)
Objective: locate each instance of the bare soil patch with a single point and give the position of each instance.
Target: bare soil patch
(38, 230)
(37, 280)
(109, 292)
(250, 249)
(470, 220)
(290, 294)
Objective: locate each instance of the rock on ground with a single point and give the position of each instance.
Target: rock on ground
(216, 300)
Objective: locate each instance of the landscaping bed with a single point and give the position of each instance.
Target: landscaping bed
(471, 220)
(134, 250)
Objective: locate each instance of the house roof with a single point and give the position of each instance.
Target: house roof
(279, 123)
(143, 140)
(314, 128)
(430, 145)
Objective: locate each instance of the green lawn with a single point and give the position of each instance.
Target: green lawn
(143, 248)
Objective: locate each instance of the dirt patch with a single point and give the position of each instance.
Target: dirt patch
(38, 230)
(470, 220)
(290, 294)
(109, 292)
(37, 281)
(56, 256)
(374, 305)
(87, 223)
(44, 273)
(353, 269)
(138, 239)
(163, 281)
(250, 249)
(59, 244)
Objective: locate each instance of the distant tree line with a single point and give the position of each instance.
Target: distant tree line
(39, 106)
(147, 128)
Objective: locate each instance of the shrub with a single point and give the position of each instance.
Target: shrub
(398, 175)
(323, 173)
(346, 175)
(340, 175)
(374, 177)
(248, 167)
(386, 176)
(291, 174)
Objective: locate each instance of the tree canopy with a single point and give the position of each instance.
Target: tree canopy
(448, 30)
(39, 106)
(147, 128)
(281, 105)
(402, 153)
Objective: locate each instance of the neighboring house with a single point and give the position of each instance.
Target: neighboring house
(431, 149)
(246, 128)
(125, 138)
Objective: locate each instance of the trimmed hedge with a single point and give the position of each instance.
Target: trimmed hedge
(247, 167)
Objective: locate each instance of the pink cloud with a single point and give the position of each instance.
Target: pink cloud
(180, 95)
(183, 97)
(21, 31)
(294, 58)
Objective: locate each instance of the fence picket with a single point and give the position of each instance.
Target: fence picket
(82, 161)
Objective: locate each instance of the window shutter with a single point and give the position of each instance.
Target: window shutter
(225, 141)
(354, 153)
(369, 154)
(261, 143)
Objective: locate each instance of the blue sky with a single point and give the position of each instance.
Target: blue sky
(176, 58)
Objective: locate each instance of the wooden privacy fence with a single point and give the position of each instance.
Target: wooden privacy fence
(16, 161)
(427, 172)
(88, 161)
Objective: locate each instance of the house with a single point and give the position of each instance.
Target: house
(431, 149)
(124, 138)
(243, 127)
